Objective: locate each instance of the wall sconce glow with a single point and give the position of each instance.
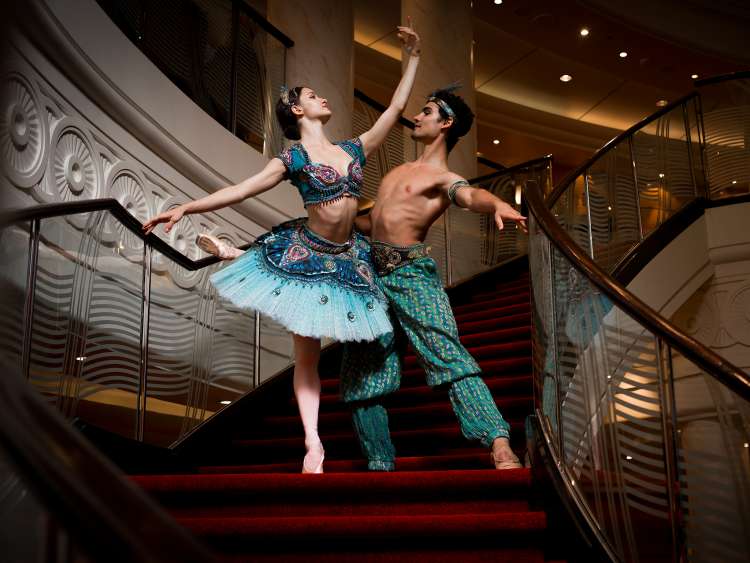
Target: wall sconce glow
(81, 359)
(734, 181)
(518, 194)
(661, 174)
(226, 402)
(628, 457)
(661, 103)
(495, 141)
(746, 445)
(623, 54)
(566, 78)
(584, 32)
(609, 208)
(693, 76)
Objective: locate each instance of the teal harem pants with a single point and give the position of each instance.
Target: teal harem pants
(420, 312)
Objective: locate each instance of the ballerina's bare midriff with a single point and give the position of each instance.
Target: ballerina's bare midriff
(333, 220)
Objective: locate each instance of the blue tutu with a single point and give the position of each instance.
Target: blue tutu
(310, 285)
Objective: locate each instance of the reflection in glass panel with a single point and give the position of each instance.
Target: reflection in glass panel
(614, 208)
(662, 163)
(85, 347)
(726, 120)
(610, 406)
(14, 256)
(276, 348)
(713, 433)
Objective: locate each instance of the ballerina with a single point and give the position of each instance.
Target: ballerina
(313, 275)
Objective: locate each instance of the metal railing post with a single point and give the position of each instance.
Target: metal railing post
(588, 212)
(636, 191)
(234, 71)
(28, 308)
(256, 352)
(143, 367)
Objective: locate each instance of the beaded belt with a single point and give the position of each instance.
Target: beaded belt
(387, 257)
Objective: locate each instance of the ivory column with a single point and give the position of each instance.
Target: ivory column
(446, 29)
(323, 54)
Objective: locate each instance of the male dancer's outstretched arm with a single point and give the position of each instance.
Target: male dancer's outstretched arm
(479, 200)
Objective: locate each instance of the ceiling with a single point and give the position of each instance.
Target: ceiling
(522, 47)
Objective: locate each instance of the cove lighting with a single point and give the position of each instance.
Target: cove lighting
(566, 78)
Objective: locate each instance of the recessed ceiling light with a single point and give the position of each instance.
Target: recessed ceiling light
(566, 78)
(584, 32)
(495, 141)
(661, 103)
(623, 54)
(498, 2)
(693, 76)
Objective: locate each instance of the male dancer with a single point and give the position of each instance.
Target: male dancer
(410, 199)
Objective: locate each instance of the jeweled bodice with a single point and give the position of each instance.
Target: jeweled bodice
(320, 183)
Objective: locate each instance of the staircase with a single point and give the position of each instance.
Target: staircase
(445, 502)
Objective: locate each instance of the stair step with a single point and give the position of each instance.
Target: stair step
(438, 411)
(287, 533)
(344, 444)
(374, 493)
(492, 313)
(463, 460)
(498, 375)
(496, 323)
(493, 303)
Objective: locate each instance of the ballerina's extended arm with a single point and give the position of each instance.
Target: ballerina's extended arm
(375, 136)
(256, 184)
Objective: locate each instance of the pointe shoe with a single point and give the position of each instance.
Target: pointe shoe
(217, 247)
(503, 457)
(311, 463)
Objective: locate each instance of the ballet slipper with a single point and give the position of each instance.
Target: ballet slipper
(311, 463)
(502, 456)
(217, 247)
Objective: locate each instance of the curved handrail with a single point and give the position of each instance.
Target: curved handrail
(722, 78)
(568, 179)
(723, 371)
(46, 211)
(109, 516)
(511, 169)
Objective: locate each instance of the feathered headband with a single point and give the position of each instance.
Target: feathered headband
(442, 104)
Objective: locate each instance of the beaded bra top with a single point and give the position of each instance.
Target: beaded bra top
(320, 183)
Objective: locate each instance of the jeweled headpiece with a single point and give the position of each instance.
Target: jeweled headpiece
(287, 95)
(442, 104)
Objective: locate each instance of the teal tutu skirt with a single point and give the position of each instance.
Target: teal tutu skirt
(310, 285)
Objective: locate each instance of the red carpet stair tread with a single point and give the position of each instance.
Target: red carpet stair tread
(445, 502)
